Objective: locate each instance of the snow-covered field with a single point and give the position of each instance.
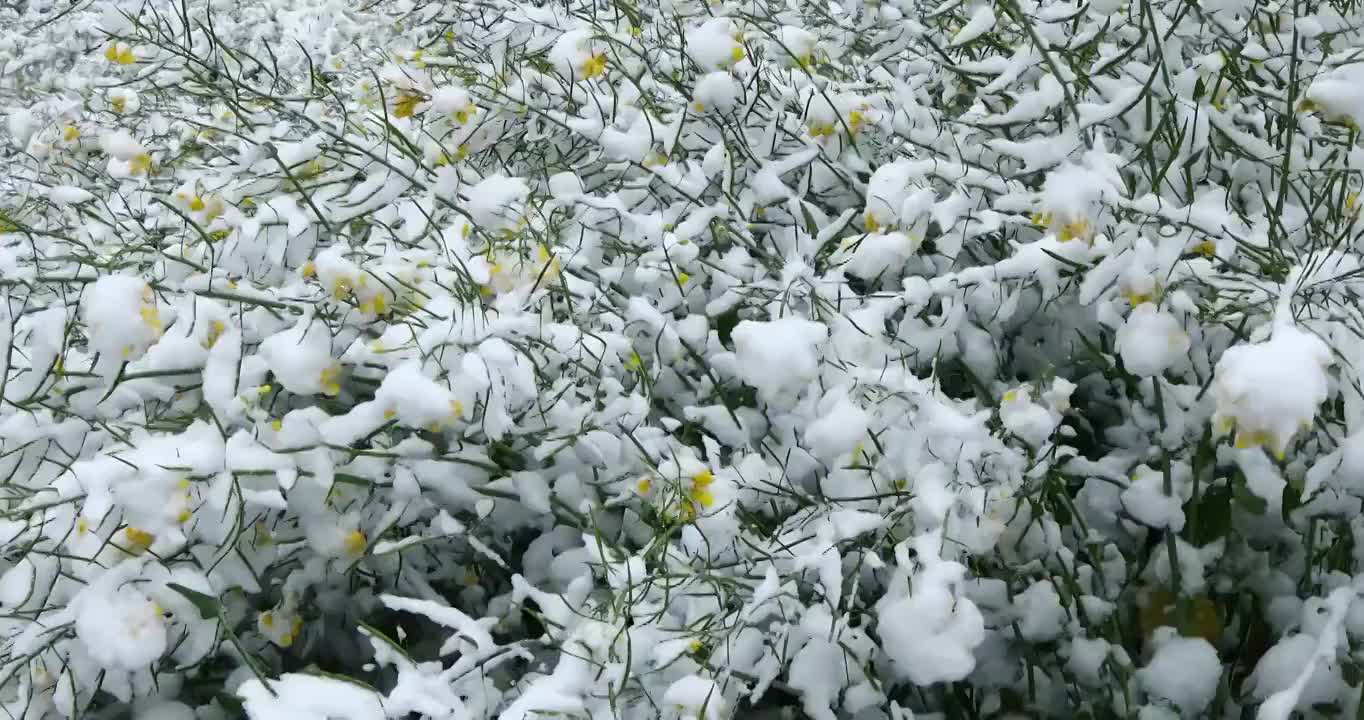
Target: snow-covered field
(681, 359)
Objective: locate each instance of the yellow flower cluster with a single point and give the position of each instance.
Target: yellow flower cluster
(119, 54)
(1079, 229)
(698, 496)
(594, 66)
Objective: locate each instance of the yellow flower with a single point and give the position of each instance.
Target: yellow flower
(118, 103)
(682, 278)
(700, 489)
(1078, 229)
(151, 317)
(70, 133)
(1257, 438)
(328, 379)
(215, 331)
(355, 543)
(136, 541)
(1136, 298)
(854, 121)
(405, 105)
(594, 65)
(1206, 248)
(312, 169)
(634, 363)
(870, 223)
(341, 288)
(643, 485)
(737, 53)
(1352, 201)
(119, 54)
(140, 165)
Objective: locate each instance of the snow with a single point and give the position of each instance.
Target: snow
(1086, 659)
(301, 358)
(1031, 422)
(118, 625)
(1281, 665)
(838, 430)
(715, 92)
(778, 357)
(69, 195)
(797, 42)
(700, 359)
(1151, 341)
(930, 634)
(1146, 501)
(712, 44)
(697, 697)
(1183, 671)
(1339, 92)
(1308, 681)
(981, 22)
(123, 316)
(307, 697)
(1267, 391)
(1041, 616)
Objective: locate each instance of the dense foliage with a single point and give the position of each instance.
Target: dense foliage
(683, 359)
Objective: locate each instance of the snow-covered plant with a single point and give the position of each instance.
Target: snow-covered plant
(862, 360)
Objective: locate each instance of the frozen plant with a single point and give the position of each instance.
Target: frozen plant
(703, 359)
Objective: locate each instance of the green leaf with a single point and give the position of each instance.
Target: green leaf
(1253, 504)
(208, 606)
(1352, 673)
(1214, 515)
(232, 704)
(506, 456)
(724, 325)
(1292, 500)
